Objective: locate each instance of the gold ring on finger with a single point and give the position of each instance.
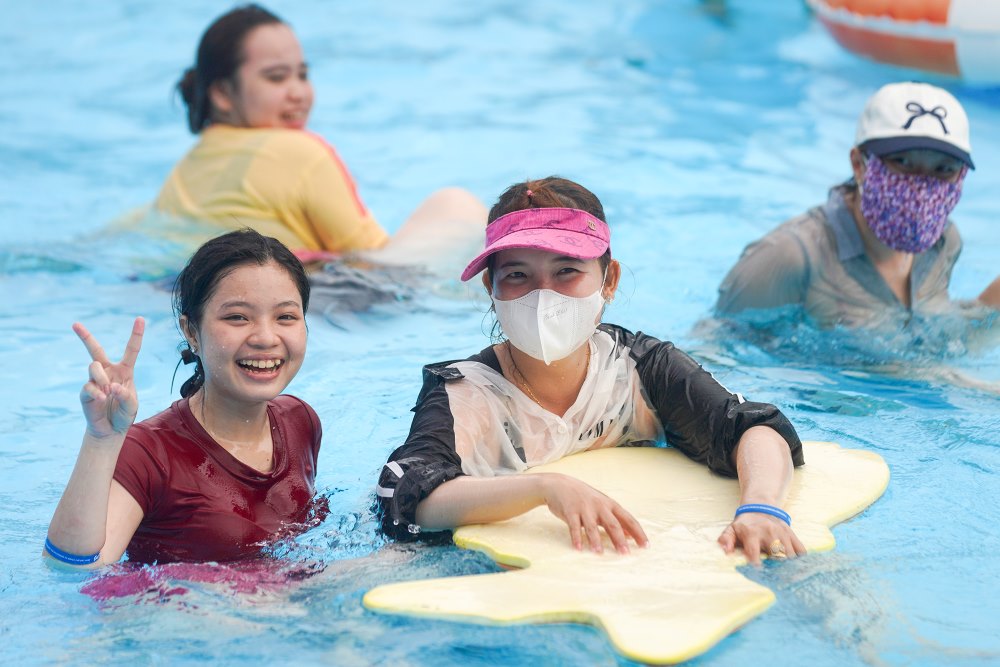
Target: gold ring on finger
(776, 549)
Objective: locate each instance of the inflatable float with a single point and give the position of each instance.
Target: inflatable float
(955, 37)
(663, 604)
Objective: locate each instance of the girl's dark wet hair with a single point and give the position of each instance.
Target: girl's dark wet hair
(549, 192)
(220, 53)
(212, 262)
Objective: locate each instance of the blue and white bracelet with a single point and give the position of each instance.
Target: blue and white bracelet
(760, 508)
(66, 557)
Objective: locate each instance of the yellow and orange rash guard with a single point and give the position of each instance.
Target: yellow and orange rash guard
(289, 184)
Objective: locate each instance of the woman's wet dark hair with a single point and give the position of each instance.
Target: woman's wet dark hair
(220, 53)
(212, 262)
(549, 192)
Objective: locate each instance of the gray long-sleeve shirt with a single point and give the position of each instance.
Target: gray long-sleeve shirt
(818, 260)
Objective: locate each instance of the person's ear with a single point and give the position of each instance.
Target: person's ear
(487, 283)
(614, 274)
(221, 94)
(858, 165)
(189, 333)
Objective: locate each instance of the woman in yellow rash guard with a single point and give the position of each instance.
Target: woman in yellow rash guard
(249, 97)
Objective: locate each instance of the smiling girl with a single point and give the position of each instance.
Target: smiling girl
(230, 466)
(561, 383)
(249, 98)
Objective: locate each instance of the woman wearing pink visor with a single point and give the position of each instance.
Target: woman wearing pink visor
(560, 383)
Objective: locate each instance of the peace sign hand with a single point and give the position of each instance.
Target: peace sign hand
(109, 400)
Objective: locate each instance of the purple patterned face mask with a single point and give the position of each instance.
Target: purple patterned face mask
(907, 212)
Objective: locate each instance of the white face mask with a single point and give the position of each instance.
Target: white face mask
(547, 325)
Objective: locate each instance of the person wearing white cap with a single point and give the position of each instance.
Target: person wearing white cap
(561, 383)
(882, 247)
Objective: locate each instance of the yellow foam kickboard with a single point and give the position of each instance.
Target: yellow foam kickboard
(663, 604)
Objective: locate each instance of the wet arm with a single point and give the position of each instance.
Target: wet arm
(764, 466)
(770, 273)
(753, 441)
(95, 514)
(466, 500)
(92, 517)
(586, 511)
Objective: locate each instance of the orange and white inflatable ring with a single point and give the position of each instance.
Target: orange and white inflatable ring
(956, 37)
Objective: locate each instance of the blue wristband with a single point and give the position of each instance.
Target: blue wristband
(759, 508)
(66, 557)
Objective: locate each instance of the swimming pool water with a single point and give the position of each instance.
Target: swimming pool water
(700, 125)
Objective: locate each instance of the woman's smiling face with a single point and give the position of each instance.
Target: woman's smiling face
(271, 88)
(252, 334)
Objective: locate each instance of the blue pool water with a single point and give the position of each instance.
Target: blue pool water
(700, 125)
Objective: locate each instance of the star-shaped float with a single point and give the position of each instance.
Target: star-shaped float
(664, 604)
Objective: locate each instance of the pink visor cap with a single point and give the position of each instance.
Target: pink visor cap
(564, 231)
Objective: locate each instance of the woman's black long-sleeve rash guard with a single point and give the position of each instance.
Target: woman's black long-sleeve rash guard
(697, 414)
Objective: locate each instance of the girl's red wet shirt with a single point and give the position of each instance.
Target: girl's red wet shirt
(202, 504)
